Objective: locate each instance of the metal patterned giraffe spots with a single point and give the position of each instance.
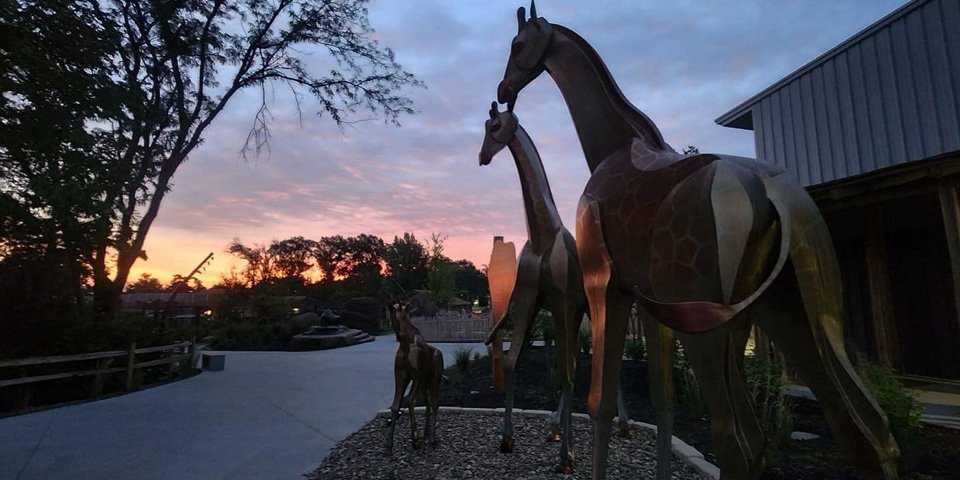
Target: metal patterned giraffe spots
(708, 245)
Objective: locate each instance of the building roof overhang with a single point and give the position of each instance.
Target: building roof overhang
(741, 116)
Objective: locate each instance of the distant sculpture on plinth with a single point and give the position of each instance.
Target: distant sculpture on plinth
(501, 275)
(419, 366)
(707, 244)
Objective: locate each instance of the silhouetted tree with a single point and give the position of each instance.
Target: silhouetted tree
(469, 282)
(355, 262)
(408, 262)
(259, 260)
(193, 285)
(57, 84)
(440, 278)
(294, 257)
(145, 284)
(119, 93)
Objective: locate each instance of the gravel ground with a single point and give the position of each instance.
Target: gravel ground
(468, 448)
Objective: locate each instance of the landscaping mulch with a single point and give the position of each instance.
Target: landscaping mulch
(936, 453)
(533, 375)
(468, 448)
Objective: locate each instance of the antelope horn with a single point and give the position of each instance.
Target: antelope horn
(533, 11)
(521, 19)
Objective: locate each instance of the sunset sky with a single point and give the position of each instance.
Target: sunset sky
(682, 62)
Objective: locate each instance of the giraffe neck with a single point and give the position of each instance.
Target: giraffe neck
(543, 220)
(605, 120)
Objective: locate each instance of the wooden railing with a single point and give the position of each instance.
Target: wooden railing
(453, 328)
(177, 355)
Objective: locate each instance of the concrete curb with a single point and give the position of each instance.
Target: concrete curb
(682, 449)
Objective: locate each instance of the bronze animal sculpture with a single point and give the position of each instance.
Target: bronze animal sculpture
(420, 366)
(706, 244)
(548, 275)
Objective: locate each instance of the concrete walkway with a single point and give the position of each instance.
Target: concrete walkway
(268, 415)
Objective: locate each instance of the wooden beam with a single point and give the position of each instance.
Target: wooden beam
(829, 203)
(881, 301)
(23, 362)
(57, 376)
(951, 226)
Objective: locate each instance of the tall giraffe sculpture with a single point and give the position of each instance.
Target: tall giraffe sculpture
(548, 275)
(707, 244)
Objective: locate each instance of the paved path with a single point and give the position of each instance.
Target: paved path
(268, 415)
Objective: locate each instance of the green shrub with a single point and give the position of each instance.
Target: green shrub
(773, 407)
(545, 328)
(584, 340)
(635, 349)
(461, 359)
(900, 404)
(688, 391)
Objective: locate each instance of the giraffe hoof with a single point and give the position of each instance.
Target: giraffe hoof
(417, 444)
(565, 468)
(555, 436)
(506, 445)
(624, 432)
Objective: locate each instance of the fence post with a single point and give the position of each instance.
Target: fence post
(97, 385)
(131, 357)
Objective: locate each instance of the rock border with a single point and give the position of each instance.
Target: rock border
(682, 449)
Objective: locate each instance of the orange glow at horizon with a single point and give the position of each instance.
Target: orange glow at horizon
(172, 252)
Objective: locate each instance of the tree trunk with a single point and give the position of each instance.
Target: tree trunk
(106, 299)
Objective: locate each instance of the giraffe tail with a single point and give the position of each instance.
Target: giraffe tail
(496, 328)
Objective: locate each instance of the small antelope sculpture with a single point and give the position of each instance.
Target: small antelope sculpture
(421, 365)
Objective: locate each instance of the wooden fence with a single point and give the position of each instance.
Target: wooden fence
(453, 328)
(178, 355)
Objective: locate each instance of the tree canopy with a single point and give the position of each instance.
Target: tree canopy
(103, 101)
(362, 265)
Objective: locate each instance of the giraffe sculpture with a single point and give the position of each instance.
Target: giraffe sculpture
(421, 365)
(707, 244)
(548, 275)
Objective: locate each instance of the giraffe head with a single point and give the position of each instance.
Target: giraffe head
(527, 51)
(398, 316)
(499, 130)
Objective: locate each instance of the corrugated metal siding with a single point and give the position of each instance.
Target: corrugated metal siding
(891, 98)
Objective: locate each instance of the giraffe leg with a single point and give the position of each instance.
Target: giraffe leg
(556, 433)
(566, 314)
(610, 310)
(433, 398)
(523, 309)
(609, 316)
(401, 381)
(806, 328)
(736, 435)
(623, 419)
(660, 359)
(417, 443)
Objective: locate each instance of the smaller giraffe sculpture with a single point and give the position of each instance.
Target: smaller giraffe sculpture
(421, 365)
(548, 276)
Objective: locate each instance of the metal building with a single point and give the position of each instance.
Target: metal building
(872, 129)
